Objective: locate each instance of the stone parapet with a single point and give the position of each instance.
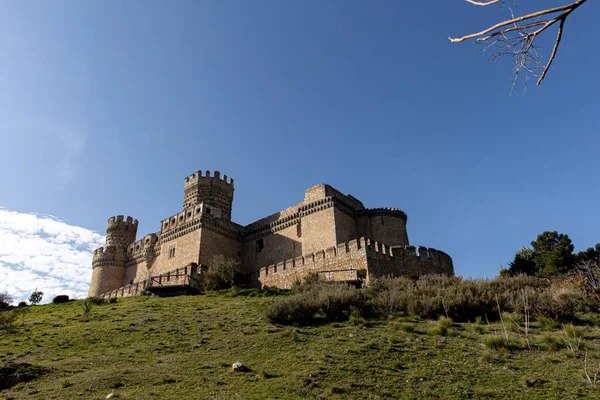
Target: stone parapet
(344, 263)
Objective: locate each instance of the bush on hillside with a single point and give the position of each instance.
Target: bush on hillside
(434, 296)
(224, 273)
(61, 298)
(318, 300)
(5, 300)
(9, 320)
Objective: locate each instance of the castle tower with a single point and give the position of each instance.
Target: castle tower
(216, 191)
(108, 263)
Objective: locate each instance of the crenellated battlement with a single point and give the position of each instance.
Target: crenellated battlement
(108, 256)
(213, 189)
(120, 222)
(198, 177)
(121, 231)
(383, 212)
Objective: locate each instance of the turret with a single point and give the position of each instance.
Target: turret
(108, 262)
(384, 225)
(215, 190)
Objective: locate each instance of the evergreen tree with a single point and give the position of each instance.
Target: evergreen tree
(553, 254)
(523, 263)
(590, 254)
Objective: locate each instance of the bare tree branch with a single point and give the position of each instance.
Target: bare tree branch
(569, 7)
(515, 37)
(558, 37)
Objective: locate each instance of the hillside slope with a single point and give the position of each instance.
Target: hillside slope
(183, 347)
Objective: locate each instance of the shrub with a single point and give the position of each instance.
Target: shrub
(5, 300)
(357, 320)
(552, 342)
(298, 309)
(560, 302)
(88, 304)
(494, 342)
(442, 326)
(392, 295)
(22, 304)
(98, 301)
(478, 329)
(434, 296)
(9, 319)
(545, 323)
(61, 298)
(223, 274)
(337, 300)
(334, 301)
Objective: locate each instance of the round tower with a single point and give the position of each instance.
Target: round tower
(108, 263)
(384, 225)
(215, 190)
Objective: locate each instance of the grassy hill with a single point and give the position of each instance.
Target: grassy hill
(183, 347)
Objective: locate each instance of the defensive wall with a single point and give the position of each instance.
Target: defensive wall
(357, 260)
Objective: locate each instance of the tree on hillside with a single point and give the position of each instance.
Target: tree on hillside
(36, 297)
(550, 254)
(590, 254)
(5, 300)
(523, 263)
(553, 253)
(515, 38)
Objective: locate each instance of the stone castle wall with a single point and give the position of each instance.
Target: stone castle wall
(354, 260)
(346, 257)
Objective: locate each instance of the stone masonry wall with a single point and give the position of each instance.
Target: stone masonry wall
(213, 243)
(347, 259)
(406, 261)
(318, 230)
(345, 226)
(106, 277)
(341, 261)
(281, 245)
(186, 247)
(388, 229)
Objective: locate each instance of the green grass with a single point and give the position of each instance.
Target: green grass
(183, 347)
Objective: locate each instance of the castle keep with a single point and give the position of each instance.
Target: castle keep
(329, 233)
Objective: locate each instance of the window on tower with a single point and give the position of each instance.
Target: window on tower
(259, 245)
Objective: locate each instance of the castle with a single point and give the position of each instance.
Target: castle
(329, 234)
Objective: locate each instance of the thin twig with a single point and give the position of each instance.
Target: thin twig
(502, 321)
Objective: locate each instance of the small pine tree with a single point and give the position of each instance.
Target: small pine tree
(553, 253)
(524, 263)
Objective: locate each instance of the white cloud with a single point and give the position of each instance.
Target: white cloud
(45, 253)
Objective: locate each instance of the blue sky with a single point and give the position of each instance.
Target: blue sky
(106, 106)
